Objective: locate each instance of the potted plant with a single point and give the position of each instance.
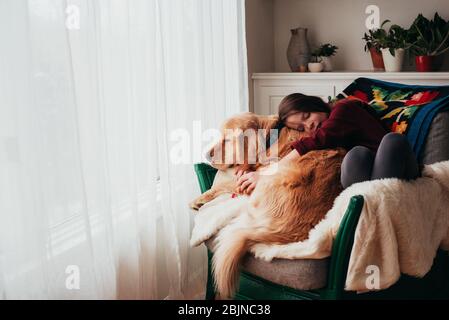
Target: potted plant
(316, 63)
(393, 45)
(325, 52)
(430, 39)
(373, 46)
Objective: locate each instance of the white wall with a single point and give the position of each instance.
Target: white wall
(342, 22)
(260, 39)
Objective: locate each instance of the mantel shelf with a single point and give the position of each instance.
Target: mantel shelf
(344, 75)
(271, 88)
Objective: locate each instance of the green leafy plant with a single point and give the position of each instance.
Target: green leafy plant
(395, 38)
(316, 56)
(326, 50)
(429, 37)
(373, 37)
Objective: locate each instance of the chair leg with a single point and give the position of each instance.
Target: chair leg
(210, 289)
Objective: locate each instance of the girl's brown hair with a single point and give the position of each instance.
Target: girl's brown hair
(298, 102)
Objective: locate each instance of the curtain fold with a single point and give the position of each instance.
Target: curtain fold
(103, 109)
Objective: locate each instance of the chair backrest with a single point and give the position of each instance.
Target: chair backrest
(436, 147)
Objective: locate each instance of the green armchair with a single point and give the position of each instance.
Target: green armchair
(325, 278)
(254, 286)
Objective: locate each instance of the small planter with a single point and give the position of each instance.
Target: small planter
(327, 63)
(315, 66)
(424, 63)
(393, 63)
(376, 58)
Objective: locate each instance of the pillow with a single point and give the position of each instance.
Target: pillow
(436, 147)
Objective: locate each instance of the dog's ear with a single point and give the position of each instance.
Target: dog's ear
(268, 135)
(268, 122)
(247, 148)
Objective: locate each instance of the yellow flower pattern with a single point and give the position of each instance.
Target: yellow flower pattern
(392, 113)
(401, 127)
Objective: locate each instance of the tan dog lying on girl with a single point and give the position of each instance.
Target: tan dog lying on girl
(284, 206)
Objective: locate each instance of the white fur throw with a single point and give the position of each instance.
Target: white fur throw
(401, 226)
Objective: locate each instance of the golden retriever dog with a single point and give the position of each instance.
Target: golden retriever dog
(236, 153)
(284, 206)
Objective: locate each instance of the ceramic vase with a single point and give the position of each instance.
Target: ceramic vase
(298, 52)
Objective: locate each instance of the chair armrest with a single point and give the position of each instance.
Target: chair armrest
(342, 247)
(205, 174)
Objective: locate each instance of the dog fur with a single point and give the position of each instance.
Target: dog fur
(282, 209)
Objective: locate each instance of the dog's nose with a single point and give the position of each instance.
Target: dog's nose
(209, 155)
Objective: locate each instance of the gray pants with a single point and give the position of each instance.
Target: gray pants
(394, 159)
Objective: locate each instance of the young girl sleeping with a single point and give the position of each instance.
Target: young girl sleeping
(373, 153)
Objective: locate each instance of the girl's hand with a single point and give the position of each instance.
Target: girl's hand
(241, 170)
(247, 182)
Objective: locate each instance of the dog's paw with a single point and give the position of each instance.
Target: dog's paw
(196, 204)
(264, 251)
(200, 201)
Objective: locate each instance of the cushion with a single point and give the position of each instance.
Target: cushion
(436, 147)
(301, 274)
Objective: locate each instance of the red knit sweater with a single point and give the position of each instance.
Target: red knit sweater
(349, 124)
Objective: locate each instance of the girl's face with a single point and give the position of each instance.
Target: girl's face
(307, 122)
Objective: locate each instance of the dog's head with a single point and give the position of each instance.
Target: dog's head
(286, 137)
(241, 141)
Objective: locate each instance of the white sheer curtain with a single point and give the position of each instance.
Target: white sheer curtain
(93, 110)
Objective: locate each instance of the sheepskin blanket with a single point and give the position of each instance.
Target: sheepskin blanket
(401, 226)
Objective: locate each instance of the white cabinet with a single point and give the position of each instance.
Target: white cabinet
(271, 88)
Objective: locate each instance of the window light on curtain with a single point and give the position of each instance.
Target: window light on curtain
(91, 92)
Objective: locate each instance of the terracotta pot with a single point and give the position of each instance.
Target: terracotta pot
(376, 57)
(424, 63)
